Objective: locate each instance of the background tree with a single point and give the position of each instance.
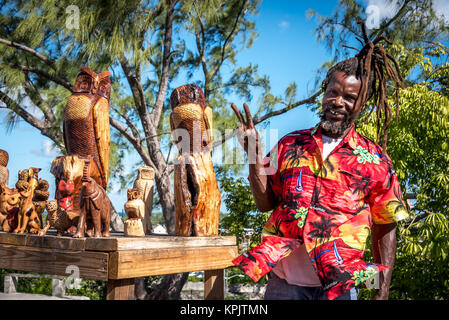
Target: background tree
(145, 46)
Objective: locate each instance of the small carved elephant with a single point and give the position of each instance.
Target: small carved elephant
(95, 215)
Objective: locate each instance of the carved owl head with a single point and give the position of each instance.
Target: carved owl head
(145, 173)
(90, 82)
(134, 194)
(188, 93)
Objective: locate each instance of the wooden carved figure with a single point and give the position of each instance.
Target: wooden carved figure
(145, 184)
(4, 173)
(95, 215)
(86, 120)
(197, 197)
(135, 210)
(58, 218)
(9, 208)
(68, 172)
(28, 218)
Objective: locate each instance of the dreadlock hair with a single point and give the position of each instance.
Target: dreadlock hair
(372, 65)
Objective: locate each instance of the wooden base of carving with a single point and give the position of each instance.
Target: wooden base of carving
(133, 228)
(197, 196)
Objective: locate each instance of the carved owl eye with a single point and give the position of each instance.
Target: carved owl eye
(84, 85)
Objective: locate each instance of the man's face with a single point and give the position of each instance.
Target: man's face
(338, 105)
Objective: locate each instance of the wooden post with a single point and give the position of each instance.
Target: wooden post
(214, 284)
(122, 289)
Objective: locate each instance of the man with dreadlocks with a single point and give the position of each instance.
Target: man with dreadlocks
(329, 187)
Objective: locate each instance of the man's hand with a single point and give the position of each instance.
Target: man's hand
(247, 135)
(249, 139)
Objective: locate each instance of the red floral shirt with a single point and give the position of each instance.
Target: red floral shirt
(327, 206)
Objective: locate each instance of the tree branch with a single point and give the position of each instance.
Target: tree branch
(228, 39)
(43, 126)
(134, 141)
(400, 12)
(309, 101)
(166, 58)
(257, 120)
(46, 75)
(35, 96)
(41, 57)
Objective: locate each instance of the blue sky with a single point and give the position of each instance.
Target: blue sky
(286, 50)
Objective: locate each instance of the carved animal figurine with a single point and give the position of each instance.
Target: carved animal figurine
(145, 184)
(95, 215)
(197, 197)
(135, 210)
(57, 218)
(86, 120)
(4, 173)
(68, 172)
(28, 217)
(9, 208)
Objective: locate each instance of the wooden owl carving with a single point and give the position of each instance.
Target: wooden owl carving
(135, 210)
(145, 184)
(191, 113)
(86, 120)
(197, 196)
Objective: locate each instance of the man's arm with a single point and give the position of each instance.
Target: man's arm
(384, 251)
(258, 180)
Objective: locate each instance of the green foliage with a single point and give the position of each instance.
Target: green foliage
(94, 290)
(243, 220)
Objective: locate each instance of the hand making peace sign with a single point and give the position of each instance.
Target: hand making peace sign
(247, 131)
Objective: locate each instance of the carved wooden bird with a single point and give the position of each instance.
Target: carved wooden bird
(86, 120)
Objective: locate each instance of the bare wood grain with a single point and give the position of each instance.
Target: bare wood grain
(119, 243)
(147, 262)
(214, 284)
(92, 265)
(122, 289)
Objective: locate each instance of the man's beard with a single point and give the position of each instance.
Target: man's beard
(332, 127)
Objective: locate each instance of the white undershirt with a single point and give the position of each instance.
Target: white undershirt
(296, 268)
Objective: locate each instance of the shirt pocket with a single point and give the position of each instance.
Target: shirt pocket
(297, 187)
(352, 191)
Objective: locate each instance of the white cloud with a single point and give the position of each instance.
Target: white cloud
(47, 150)
(387, 8)
(284, 25)
(442, 8)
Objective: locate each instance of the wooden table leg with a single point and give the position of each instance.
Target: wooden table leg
(214, 284)
(122, 289)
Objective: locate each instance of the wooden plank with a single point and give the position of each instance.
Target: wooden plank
(148, 262)
(118, 243)
(214, 284)
(122, 289)
(13, 238)
(92, 265)
(47, 241)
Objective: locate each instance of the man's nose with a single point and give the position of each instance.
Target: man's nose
(339, 101)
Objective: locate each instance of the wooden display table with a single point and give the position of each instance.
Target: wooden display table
(118, 259)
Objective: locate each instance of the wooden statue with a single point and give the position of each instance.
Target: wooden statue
(135, 210)
(9, 208)
(197, 197)
(95, 215)
(58, 218)
(68, 172)
(145, 184)
(4, 173)
(86, 120)
(34, 193)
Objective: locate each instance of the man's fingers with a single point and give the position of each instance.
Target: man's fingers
(238, 114)
(249, 118)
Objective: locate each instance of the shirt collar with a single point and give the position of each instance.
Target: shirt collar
(351, 138)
